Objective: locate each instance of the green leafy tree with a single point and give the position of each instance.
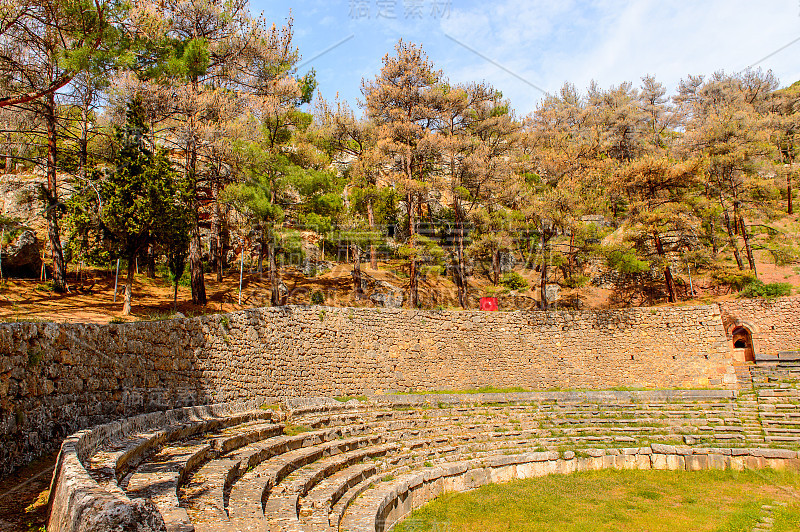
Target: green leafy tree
(784, 122)
(726, 130)
(142, 199)
(209, 71)
(352, 144)
(477, 135)
(262, 199)
(423, 253)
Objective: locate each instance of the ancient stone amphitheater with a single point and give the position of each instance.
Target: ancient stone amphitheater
(363, 465)
(270, 441)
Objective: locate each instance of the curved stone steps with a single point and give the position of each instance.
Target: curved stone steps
(252, 476)
(403, 463)
(317, 506)
(363, 514)
(282, 508)
(299, 407)
(159, 478)
(655, 415)
(108, 464)
(116, 448)
(400, 463)
(487, 450)
(574, 431)
(250, 494)
(660, 427)
(205, 493)
(327, 421)
(380, 505)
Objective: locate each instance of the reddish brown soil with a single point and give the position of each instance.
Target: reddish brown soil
(92, 299)
(23, 497)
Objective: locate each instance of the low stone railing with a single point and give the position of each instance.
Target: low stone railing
(79, 503)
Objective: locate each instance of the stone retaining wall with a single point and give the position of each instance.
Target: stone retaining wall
(774, 324)
(56, 379)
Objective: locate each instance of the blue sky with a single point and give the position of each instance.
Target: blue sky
(522, 48)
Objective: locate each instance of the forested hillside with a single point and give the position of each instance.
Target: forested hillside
(178, 140)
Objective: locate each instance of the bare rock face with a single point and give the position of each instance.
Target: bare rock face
(23, 255)
(551, 291)
(20, 198)
(387, 295)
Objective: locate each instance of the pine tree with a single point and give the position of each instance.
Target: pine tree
(404, 103)
(45, 45)
(207, 67)
(143, 202)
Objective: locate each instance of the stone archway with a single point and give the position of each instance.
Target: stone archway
(742, 340)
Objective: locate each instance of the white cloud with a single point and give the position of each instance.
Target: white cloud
(548, 42)
(613, 41)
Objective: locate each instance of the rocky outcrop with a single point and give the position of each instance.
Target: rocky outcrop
(22, 257)
(20, 198)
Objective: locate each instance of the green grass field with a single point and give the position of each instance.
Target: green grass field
(609, 500)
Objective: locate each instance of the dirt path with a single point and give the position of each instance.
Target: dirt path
(92, 300)
(23, 497)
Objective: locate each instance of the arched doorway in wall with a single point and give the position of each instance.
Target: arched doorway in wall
(743, 344)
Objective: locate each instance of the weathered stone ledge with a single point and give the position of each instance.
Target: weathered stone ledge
(380, 512)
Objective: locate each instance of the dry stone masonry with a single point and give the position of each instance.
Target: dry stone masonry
(56, 379)
(321, 465)
(774, 324)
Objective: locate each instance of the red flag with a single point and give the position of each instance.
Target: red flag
(489, 303)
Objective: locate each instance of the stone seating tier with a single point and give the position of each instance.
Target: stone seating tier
(318, 464)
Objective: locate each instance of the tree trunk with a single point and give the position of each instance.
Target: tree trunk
(731, 239)
(496, 267)
(126, 306)
(274, 278)
(59, 268)
(461, 269)
(215, 238)
(224, 243)
(712, 235)
(667, 269)
(747, 247)
(151, 261)
(414, 283)
(195, 245)
(373, 257)
(571, 258)
(196, 266)
(175, 297)
(10, 166)
(545, 277)
(789, 205)
(357, 289)
(412, 263)
(83, 156)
